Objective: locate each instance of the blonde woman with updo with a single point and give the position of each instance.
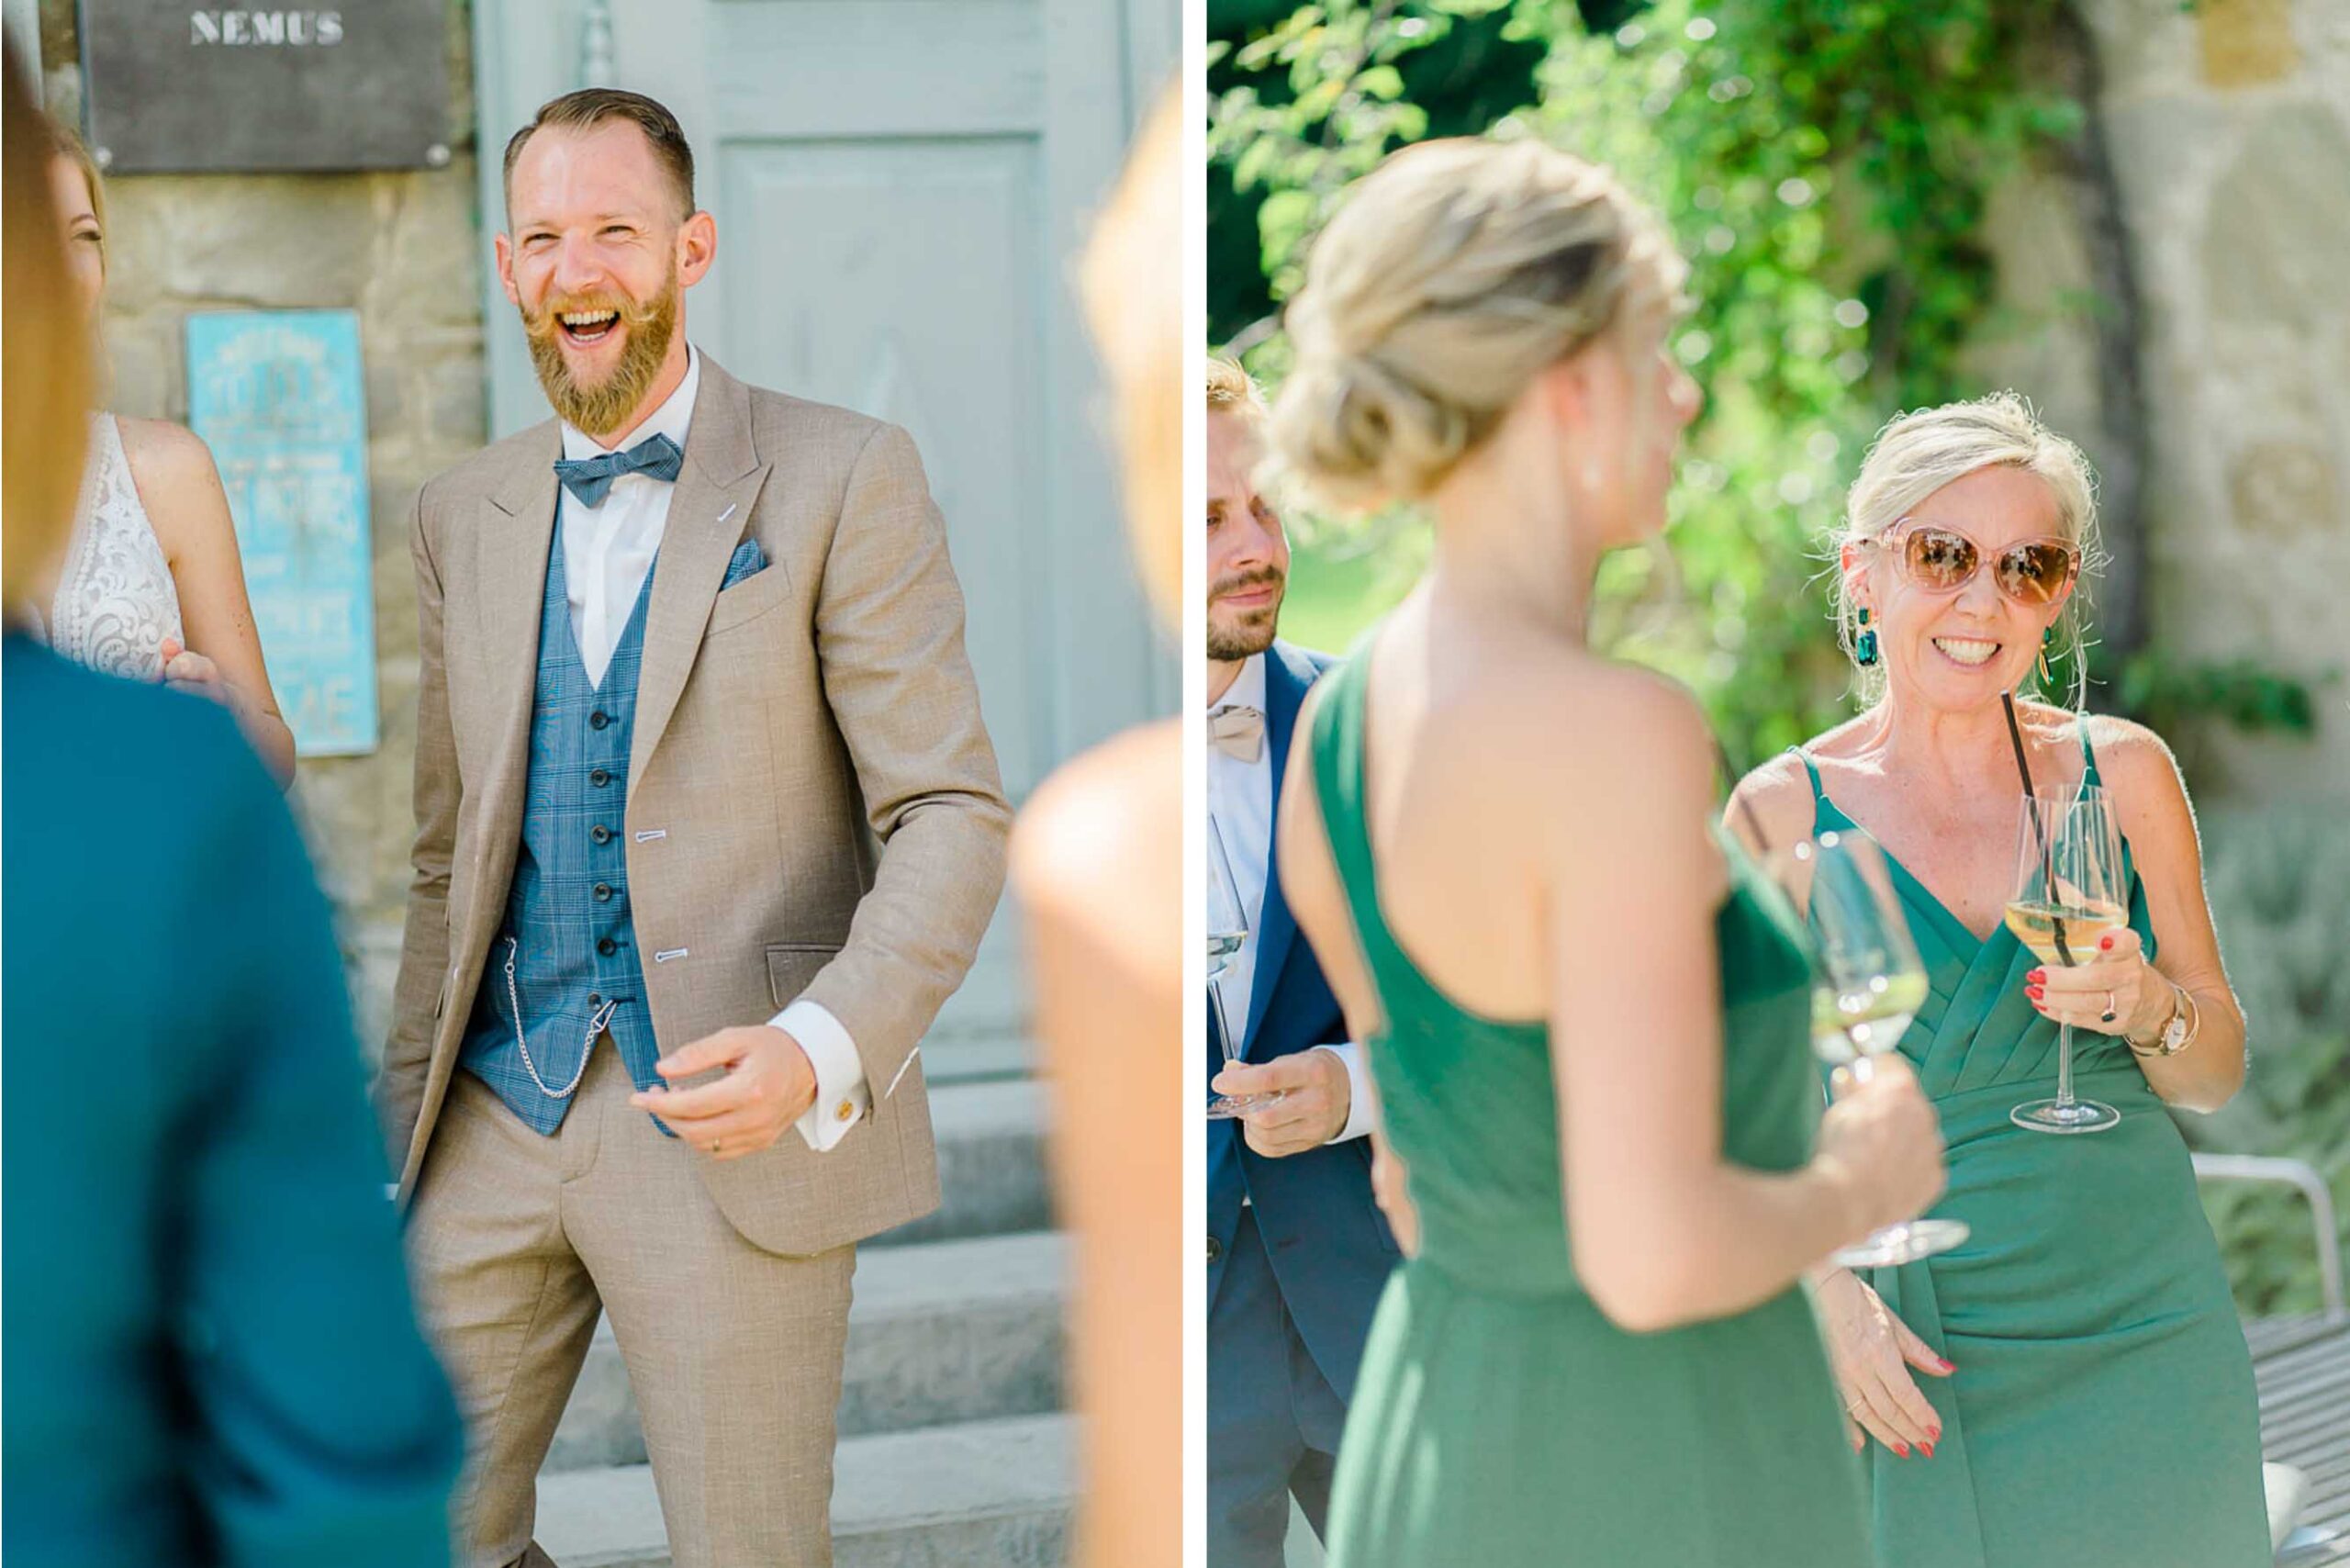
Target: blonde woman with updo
(2069, 1388)
(151, 586)
(1586, 1010)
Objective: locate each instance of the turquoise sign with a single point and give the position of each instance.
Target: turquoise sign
(278, 395)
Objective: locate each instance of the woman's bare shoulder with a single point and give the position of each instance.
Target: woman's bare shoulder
(167, 452)
(1099, 842)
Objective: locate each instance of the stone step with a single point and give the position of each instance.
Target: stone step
(981, 1494)
(991, 1162)
(939, 1332)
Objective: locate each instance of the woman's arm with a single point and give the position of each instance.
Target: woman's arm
(2155, 816)
(180, 487)
(1096, 867)
(1666, 1229)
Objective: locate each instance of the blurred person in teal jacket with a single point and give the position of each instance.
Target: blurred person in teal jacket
(210, 1356)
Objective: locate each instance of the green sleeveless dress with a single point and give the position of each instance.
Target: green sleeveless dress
(1500, 1419)
(2103, 1413)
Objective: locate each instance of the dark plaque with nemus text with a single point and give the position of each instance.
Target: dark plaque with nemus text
(178, 86)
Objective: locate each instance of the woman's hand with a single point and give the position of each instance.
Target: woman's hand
(1872, 1352)
(1391, 1184)
(2116, 993)
(192, 672)
(1883, 1144)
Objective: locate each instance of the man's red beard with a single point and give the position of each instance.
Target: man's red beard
(604, 407)
(1257, 628)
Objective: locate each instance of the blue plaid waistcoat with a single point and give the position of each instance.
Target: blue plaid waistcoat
(567, 932)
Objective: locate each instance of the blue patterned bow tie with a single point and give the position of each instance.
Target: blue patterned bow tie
(590, 478)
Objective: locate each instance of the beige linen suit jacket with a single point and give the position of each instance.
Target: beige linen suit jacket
(813, 807)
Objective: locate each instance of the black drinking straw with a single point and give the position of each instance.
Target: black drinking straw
(2047, 853)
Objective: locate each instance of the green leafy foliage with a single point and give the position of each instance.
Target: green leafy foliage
(1825, 166)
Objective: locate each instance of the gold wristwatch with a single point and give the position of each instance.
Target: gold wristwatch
(2177, 1034)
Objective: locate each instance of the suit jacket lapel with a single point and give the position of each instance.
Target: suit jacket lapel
(517, 531)
(1285, 684)
(708, 514)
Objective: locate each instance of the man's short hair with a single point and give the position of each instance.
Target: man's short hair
(591, 107)
(1232, 391)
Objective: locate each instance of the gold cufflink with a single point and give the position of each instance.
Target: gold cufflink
(845, 1111)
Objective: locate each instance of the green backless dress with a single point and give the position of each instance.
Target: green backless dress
(2103, 1414)
(1501, 1419)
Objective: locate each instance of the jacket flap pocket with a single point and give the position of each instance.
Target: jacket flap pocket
(792, 965)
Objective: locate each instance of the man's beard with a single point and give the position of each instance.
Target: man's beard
(601, 408)
(1256, 631)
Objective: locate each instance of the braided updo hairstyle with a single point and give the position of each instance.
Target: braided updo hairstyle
(1456, 272)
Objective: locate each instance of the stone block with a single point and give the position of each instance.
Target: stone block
(2281, 493)
(275, 241)
(2247, 43)
(2278, 223)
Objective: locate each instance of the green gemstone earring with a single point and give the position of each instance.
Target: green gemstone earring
(1864, 645)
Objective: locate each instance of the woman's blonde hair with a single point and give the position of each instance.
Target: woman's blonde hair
(66, 144)
(1456, 272)
(1919, 452)
(1131, 278)
(44, 368)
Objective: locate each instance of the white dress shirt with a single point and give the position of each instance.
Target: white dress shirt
(1240, 804)
(606, 551)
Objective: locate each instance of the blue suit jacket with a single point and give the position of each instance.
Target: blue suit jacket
(211, 1356)
(1330, 1248)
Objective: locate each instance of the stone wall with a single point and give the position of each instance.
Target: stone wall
(403, 250)
(2228, 123)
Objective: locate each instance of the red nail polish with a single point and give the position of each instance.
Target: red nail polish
(2033, 992)
(1901, 1449)
(2037, 976)
(1926, 1448)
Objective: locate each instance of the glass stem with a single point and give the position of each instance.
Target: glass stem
(1223, 1021)
(2064, 1067)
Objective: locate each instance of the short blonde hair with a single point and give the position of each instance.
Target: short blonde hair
(1131, 278)
(1457, 271)
(1919, 452)
(44, 366)
(1232, 390)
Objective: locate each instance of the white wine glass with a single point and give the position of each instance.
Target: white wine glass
(1869, 984)
(1228, 934)
(2068, 895)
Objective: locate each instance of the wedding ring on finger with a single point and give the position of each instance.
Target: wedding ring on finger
(2109, 1015)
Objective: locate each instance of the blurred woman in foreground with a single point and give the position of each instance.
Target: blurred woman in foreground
(1096, 863)
(211, 1356)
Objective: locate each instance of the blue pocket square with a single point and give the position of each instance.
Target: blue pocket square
(748, 560)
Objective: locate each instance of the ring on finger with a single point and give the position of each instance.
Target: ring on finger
(2109, 1015)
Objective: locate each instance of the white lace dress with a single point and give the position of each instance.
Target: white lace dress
(115, 602)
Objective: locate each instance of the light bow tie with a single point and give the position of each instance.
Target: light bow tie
(590, 478)
(1237, 731)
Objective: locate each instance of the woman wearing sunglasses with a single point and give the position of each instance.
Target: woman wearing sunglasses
(2069, 1386)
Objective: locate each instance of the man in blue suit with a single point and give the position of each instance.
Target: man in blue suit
(1297, 1251)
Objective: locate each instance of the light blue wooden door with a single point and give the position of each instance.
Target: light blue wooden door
(900, 187)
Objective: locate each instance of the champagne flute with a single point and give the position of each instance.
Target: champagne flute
(1228, 934)
(1870, 984)
(2068, 895)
